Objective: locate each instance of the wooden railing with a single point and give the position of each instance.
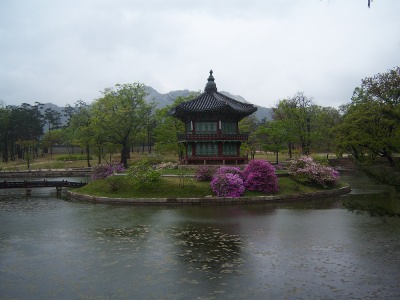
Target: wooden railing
(218, 160)
(39, 183)
(210, 137)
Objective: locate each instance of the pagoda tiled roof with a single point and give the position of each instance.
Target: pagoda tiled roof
(211, 101)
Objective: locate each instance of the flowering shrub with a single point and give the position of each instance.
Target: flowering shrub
(228, 170)
(279, 167)
(205, 173)
(227, 185)
(300, 163)
(259, 175)
(142, 174)
(103, 171)
(166, 165)
(306, 169)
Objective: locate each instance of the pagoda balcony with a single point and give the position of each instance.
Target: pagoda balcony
(185, 137)
(214, 160)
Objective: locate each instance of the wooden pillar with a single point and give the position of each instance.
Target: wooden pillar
(59, 189)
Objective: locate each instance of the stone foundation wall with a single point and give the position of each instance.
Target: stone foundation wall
(208, 200)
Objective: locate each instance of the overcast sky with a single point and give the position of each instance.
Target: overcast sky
(61, 51)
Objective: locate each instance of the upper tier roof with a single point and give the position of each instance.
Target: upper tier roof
(213, 102)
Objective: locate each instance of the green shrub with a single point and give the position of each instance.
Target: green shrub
(143, 174)
(113, 182)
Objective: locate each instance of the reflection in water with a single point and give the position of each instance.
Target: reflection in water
(209, 250)
(314, 249)
(370, 196)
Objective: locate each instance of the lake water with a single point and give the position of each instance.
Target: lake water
(51, 248)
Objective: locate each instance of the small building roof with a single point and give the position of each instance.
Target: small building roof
(211, 101)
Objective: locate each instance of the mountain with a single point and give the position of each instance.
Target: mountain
(261, 113)
(44, 106)
(163, 100)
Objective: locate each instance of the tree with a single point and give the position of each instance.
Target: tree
(28, 149)
(371, 123)
(25, 125)
(52, 118)
(83, 135)
(274, 136)
(4, 132)
(120, 113)
(249, 125)
(326, 120)
(298, 115)
(167, 128)
(52, 138)
(68, 112)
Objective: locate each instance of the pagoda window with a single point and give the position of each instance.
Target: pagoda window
(206, 128)
(189, 150)
(189, 127)
(229, 127)
(206, 149)
(230, 149)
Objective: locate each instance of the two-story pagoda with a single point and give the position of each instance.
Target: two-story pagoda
(212, 132)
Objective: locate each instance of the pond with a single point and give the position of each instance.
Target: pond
(51, 248)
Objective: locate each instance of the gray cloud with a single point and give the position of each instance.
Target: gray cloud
(62, 51)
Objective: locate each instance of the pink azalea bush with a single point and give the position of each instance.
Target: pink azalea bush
(103, 171)
(228, 170)
(259, 175)
(306, 169)
(205, 173)
(226, 184)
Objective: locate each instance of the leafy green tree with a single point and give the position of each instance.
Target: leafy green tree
(87, 136)
(274, 136)
(51, 138)
(249, 125)
(5, 132)
(327, 118)
(120, 113)
(83, 135)
(167, 128)
(52, 118)
(68, 112)
(28, 149)
(298, 115)
(25, 125)
(371, 123)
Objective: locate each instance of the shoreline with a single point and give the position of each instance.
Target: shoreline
(73, 196)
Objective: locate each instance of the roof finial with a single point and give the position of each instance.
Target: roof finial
(210, 86)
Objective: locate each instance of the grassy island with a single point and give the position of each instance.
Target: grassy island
(258, 178)
(182, 187)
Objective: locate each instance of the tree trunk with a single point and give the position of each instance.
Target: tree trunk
(88, 156)
(290, 150)
(124, 150)
(5, 153)
(390, 159)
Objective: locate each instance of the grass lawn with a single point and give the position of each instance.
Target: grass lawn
(178, 188)
(64, 161)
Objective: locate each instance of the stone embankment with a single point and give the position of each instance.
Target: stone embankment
(209, 200)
